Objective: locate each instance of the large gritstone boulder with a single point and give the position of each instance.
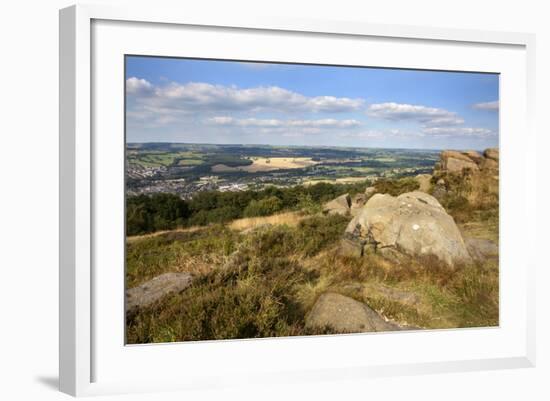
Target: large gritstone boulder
(369, 191)
(357, 203)
(454, 162)
(413, 224)
(345, 315)
(492, 153)
(340, 205)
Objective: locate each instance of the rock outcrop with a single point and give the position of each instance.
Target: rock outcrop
(452, 161)
(340, 205)
(369, 192)
(478, 184)
(424, 182)
(413, 224)
(492, 153)
(357, 203)
(345, 315)
(156, 288)
(474, 155)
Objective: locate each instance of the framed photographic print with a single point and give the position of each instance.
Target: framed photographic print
(278, 200)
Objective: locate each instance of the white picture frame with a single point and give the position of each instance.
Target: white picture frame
(80, 210)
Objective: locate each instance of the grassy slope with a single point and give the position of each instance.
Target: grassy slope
(263, 282)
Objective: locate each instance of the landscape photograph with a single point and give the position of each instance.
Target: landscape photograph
(280, 199)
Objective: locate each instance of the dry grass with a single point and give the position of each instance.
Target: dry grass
(133, 238)
(421, 292)
(290, 219)
(193, 251)
(262, 283)
(481, 229)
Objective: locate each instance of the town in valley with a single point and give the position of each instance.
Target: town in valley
(186, 169)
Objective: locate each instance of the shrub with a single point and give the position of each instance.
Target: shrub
(308, 205)
(317, 233)
(147, 214)
(263, 207)
(157, 212)
(250, 298)
(396, 187)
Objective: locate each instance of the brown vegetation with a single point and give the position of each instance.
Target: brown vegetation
(262, 283)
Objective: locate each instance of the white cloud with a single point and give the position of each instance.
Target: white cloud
(276, 123)
(458, 131)
(409, 112)
(364, 134)
(445, 121)
(389, 133)
(434, 122)
(490, 106)
(200, 96)
(199, 105)
(136, 85)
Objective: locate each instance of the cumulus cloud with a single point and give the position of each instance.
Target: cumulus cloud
(409, 112)
(458, 131)
(364, 134)
(200, 96)
(489, 106)
(136, 85)
(211, 107)
(382, 133)
(433, 121)
(276, 123)
(289, 128)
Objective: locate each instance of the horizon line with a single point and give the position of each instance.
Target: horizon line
(305, 146)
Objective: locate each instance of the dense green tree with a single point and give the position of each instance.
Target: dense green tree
(263, 207)
(148, 213)
(157, 212)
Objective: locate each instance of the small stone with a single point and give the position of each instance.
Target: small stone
(393, 294)
(345, 315)
(481, 249)
(156, 288)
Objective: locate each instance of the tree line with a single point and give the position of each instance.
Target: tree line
(149, 213)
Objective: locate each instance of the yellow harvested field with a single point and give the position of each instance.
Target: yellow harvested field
(289, 219)
(267, 164)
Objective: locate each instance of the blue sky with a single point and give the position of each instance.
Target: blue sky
(202, 101)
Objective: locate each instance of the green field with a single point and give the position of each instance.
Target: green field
(160, 158)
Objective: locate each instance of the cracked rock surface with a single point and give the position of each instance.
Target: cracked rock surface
(413, 223)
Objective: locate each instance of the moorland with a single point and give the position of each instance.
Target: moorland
(236, 241)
